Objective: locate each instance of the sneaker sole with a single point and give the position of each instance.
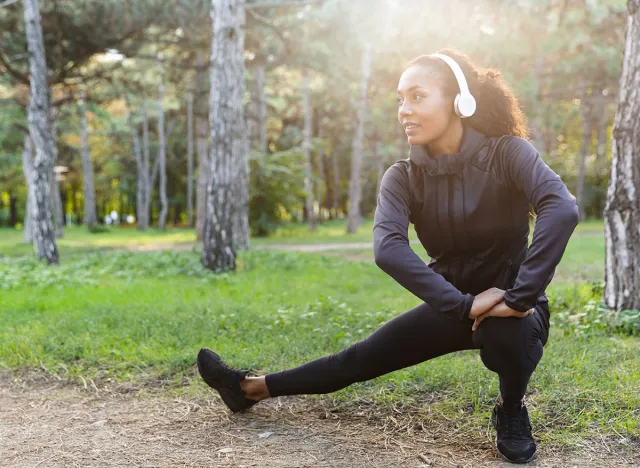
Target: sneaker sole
(519, 462)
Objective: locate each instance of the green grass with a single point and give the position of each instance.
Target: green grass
(142, 317)
(78, 240)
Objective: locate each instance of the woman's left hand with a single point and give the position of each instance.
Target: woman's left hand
(500, 310)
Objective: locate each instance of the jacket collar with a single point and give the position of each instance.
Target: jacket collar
(472, 141)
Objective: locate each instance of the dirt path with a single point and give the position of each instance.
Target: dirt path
(59, 425)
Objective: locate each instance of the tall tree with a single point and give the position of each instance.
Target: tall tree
(355, 187)
(585, 151)
(90, 216)
(202, 130)
(40, 131)
(226, 122)
(144, 221)
(190, 159)
(27, 167)
(306, 148)
(622, 212)
(162, 157)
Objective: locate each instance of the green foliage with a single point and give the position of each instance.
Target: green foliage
(275, 189)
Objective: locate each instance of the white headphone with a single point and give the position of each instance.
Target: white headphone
(464, 104)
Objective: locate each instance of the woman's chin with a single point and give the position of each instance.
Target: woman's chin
(416, 140)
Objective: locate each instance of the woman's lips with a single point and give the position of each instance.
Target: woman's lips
(411, 129)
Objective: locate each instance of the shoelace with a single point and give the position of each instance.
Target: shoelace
(516, 425)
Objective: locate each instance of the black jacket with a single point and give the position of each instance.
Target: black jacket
(471, 213)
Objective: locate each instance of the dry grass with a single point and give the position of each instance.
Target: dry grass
(51, 423)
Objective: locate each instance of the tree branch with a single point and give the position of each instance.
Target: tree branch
(7, 3)
(12, 71)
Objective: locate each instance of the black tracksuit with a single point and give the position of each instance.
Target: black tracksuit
(471, 213)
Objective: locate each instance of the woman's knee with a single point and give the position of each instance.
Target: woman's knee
(508, 344)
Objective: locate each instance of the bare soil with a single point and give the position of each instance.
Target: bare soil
(51, 423)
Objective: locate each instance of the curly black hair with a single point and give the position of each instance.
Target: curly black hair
(498, 111)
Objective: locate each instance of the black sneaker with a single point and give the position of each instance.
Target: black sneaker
(224, 379)
(514, 442)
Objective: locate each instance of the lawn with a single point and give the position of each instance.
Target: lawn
(142, 317)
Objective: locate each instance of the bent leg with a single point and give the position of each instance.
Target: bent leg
(512, 347)
(415, 336)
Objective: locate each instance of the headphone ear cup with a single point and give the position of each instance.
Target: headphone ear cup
(464, 105)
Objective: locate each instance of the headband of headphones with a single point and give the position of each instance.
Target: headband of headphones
(464, 103)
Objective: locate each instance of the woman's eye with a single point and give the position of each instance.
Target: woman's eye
(417, 96)
(399, 100)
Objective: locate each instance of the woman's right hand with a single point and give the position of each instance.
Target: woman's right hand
(485, 301)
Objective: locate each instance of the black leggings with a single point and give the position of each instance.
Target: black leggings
(511, 347)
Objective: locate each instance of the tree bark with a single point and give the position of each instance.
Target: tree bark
(202, 130)
(587, 130)
(336, 182)
(539, 121)
(90, 216)
(379, 164)
(306, 148)
(27, 168)
(240, 212)
(320, 179)
(355, 188)
(40, 131)
(226, 125)
(144, 220)
(601, 133)
(162, 160)
(257, 122)
(140, 184)
(622, 211)
(190, 159)
(56, 199)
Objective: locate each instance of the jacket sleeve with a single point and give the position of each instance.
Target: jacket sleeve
(556, 218)
(396, 258)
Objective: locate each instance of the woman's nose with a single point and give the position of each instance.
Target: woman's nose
(404, 110)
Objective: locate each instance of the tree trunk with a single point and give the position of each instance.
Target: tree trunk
(320, 179)
(56, 199)
(57, 207)
(27, 168)
(240, 213)
(202, 130)
(40, 131)
(587, 130)
(355, 188)
(226, 127)
(257, 122)
(90, 216)
(539, 121)
(140, 184)
(190, 159)
(622, 211)
(306, 148)
(144, 220)
(601, 133)
(162, 162)
(336, 182)
(379, 164)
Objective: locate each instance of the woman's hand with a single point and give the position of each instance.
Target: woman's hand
(485, 301)
(500, 310)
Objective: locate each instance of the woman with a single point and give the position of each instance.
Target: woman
(467, 186)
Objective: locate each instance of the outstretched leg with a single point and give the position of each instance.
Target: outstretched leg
(415, 336)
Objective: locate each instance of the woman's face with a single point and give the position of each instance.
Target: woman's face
(424, 112)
